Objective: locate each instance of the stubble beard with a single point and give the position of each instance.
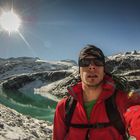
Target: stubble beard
(93, 85)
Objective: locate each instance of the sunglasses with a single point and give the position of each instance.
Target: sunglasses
(87, 61)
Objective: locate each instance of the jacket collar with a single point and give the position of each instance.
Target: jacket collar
(108, 89)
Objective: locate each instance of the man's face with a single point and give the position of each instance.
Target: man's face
(91, 71)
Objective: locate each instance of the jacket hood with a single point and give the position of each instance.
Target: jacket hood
(108, 89)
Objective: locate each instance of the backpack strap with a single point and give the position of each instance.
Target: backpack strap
(95, 125)
(114, 115)
(69, 109)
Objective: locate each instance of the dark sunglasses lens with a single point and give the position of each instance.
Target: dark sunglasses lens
(84, 62)
(87, 62)
(98, 62)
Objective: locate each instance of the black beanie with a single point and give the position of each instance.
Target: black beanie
(91, 50)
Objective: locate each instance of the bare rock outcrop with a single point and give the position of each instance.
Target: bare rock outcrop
(15, 126)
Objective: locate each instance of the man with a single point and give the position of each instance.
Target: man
(91, 93)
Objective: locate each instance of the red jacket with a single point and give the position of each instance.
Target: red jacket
(98, 114)
(132, 117)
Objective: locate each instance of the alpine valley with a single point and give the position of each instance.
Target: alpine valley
(30, 89)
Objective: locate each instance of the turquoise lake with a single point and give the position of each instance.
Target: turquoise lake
(29, 103)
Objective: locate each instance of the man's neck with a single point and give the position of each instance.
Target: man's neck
(91, 93)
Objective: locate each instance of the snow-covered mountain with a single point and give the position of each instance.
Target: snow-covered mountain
(27, 65)
(128, 65)
(53, 77)
(26, 73)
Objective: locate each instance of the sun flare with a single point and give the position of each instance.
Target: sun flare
(10, 21)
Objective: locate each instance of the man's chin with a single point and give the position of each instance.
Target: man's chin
(94, 85)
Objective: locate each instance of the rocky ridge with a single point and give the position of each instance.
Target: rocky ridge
(127, 65)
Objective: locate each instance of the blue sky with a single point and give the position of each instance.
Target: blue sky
(58, 29)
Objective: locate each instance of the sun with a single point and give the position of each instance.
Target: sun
(10, 21)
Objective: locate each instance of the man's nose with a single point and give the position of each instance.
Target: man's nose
(92, 66)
